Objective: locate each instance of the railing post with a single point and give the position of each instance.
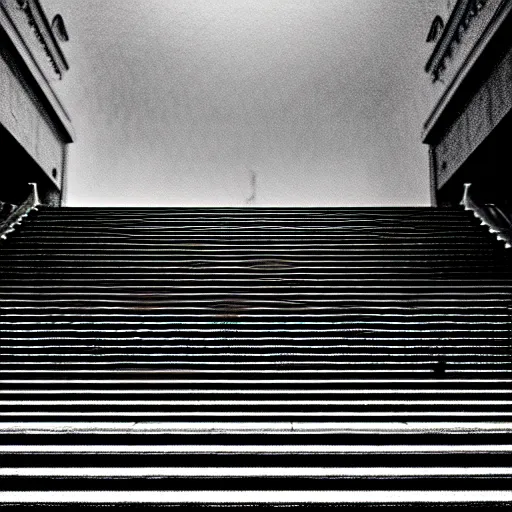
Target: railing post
(34, 195)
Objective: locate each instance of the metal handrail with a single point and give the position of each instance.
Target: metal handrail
(16, 217)
(490, 215)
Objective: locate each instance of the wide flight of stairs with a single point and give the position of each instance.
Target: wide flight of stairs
(354, 356)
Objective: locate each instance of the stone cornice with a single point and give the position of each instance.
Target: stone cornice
(14, 22)
(493, 17)
(459, 22)
(44, 35)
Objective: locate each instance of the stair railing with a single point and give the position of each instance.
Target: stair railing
(16, 217)
(490, 215)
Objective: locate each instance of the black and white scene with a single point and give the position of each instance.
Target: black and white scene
(255, 254)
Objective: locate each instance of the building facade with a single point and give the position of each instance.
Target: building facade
(34, 126)
(469, 128)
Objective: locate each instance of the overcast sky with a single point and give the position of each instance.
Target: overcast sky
(247, 102)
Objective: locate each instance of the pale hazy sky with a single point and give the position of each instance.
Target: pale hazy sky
(247, 102)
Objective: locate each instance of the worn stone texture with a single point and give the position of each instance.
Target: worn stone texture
(35, 37)
(484, 111)
(26, 121)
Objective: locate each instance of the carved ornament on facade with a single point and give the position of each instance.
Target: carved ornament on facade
(459, 23)
(26, 7)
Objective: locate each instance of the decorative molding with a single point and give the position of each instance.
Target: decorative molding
(12, 23)
(24, 5)
(44, 35)
(59, 29)
(436, 29)
(497, 13)
(462, 17)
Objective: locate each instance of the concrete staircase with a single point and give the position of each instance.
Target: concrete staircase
(355, 357)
